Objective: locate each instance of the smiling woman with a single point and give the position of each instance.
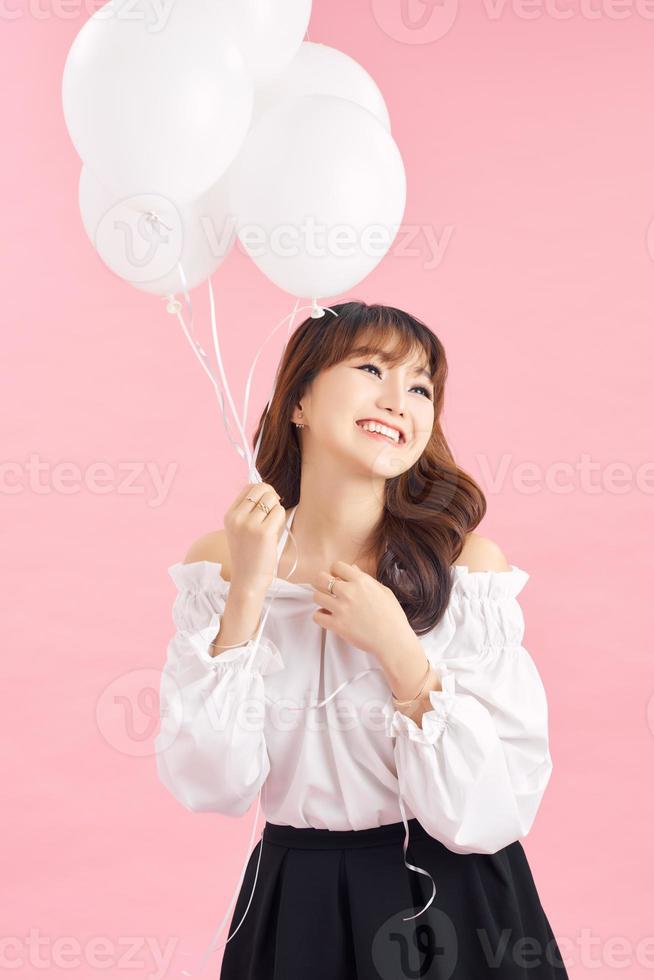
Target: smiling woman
(375, 363)
(430, 767)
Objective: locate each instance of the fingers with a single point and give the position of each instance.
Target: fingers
(325, 600)
(247, 505)
(252, 490)
(322, 589)
(341, 569)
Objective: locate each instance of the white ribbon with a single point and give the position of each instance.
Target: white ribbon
(413, 867)
(242, 448)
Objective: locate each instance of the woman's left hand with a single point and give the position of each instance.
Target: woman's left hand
(362, 611)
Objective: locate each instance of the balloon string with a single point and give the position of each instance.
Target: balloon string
(320, 704)
(243, 450)
(175, 307)
(413, 867)
(242, 424)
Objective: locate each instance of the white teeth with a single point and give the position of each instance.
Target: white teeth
(383, 429)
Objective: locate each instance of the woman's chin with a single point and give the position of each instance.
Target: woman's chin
(384, 461)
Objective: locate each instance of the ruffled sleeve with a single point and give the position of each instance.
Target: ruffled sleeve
(211, 750)
(474, 774)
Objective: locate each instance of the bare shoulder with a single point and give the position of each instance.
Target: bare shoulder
(211, 547)
(481, 554)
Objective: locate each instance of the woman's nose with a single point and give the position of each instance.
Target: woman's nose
(393, 398)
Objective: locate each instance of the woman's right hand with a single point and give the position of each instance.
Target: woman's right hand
(253, 536)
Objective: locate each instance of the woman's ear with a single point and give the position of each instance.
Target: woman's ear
(298, 416)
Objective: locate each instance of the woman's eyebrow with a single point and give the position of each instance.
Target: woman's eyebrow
(386, 357)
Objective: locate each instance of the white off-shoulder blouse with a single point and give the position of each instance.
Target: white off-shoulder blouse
(312, 724)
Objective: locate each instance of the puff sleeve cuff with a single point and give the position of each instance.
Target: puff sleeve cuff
(211, 750)
(474, 774)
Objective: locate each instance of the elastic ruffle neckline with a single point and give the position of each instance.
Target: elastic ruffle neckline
(488, 584)
(199, 576)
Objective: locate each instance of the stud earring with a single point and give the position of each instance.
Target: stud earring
(299, 425)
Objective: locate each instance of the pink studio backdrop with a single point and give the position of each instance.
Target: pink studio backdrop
(528, 147)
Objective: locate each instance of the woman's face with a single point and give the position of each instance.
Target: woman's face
(362, 388)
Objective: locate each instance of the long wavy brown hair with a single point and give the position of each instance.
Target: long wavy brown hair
(428, 509)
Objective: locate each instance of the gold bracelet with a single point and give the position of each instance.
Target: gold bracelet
(411, 700)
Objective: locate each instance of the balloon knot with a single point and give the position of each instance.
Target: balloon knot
(174, 305)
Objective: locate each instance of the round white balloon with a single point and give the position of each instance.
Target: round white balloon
(144, 239)
(268, 32)
(318, 193)
(157, 98)
(318, 69)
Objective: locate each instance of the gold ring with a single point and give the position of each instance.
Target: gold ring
(264, 506)
(330, 586)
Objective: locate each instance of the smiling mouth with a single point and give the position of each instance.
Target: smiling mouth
(380, 435)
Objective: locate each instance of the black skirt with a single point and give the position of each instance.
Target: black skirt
(331, 905)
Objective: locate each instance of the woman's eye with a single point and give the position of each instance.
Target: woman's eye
(425, 391)
(373, 366)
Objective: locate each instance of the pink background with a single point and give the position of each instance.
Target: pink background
(530, 139)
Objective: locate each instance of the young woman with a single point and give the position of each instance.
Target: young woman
(376, 673)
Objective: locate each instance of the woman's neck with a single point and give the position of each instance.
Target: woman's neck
(325, 534)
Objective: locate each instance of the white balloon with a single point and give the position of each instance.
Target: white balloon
(157, 97)
(268, 32)
(318, 69)
(318, 192)
(146, 253)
